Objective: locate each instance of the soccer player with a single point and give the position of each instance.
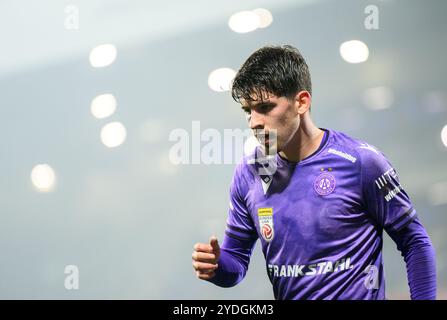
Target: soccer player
(320, 213)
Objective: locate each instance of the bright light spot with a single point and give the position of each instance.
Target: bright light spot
(244, 21)
(43, 177)
(250, 145)
(113, 134)
(220, 79)
(354, 51)
(265, 17)
(103, 106)
(103, 55)
(151, 130)
(444, 135)
(378, 98)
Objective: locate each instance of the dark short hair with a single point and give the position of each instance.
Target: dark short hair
(280, 70)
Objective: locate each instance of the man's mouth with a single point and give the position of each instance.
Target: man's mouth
(266, 139)
(263, 137)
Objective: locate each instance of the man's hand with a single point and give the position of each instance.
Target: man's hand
(205, 257)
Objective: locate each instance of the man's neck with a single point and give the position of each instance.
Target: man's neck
(304, 143)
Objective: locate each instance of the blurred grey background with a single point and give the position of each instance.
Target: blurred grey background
(126, 216)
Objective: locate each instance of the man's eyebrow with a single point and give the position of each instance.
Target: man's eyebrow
(265, 103)
(259, 104)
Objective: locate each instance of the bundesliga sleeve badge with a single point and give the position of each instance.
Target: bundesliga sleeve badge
(265, 216)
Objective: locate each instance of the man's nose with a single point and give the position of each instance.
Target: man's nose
(256, 120)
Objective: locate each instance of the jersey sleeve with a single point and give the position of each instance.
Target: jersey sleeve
(420, 259)
(385, 198)
(240, 236)
(239, 222)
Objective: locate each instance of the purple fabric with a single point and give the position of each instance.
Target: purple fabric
(233, 262)
(412, 241)
(320, 222)
(419, 255)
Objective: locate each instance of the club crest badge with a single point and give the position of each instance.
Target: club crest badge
(324, 184)
(265, 216)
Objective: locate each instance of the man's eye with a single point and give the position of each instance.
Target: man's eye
(265, 108)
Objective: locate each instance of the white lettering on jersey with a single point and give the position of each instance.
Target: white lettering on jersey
(342, 154)
(387, 179)
(297, 270)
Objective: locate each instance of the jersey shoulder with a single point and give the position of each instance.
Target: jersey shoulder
(360, 148)
(371, 159)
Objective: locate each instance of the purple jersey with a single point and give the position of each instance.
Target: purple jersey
(320, 221)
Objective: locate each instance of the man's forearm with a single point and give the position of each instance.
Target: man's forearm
(419, 255)
(233, 261)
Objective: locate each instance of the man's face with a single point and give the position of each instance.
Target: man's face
(269, 114)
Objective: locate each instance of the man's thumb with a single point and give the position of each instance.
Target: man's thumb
(214, 243)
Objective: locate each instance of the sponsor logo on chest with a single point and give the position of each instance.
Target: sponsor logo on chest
(265, 216)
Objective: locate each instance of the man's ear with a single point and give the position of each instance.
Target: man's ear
(302, 101)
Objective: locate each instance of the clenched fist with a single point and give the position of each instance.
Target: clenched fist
(205, 257)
